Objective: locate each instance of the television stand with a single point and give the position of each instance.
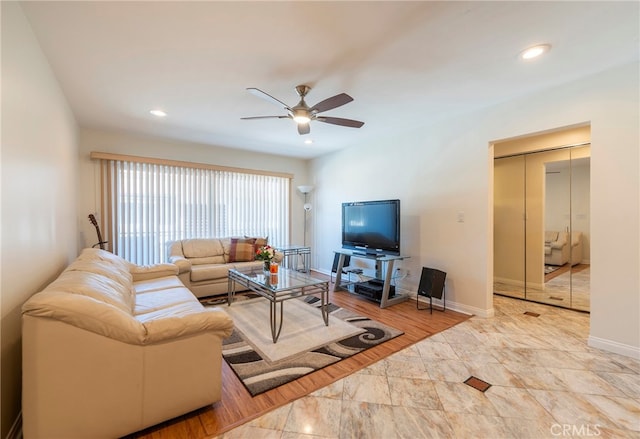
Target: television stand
(377, 289)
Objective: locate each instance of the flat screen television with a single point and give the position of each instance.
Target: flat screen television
(371, 226)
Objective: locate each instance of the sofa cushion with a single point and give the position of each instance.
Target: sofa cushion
(242, 250)
(158, 284)
(184, 319)
(104, 257)
(115, 267)
(209, 272)
(153, 301)
(115, 272)
(202, 248)
(154, 271)
(87, 313)
(97, 286)
(209, 260)
(550, 236)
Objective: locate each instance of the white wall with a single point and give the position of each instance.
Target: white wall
(446, 168)
(39, 172)
(130, 144)
(431, 172)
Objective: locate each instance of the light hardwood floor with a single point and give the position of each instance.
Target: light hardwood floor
(237, 406)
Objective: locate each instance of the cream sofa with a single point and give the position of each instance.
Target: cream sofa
(110, 348)
(204, 263)
(558, 250)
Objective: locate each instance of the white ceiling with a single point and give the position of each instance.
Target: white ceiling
(406, 64)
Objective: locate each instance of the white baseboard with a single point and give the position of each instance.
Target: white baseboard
(317, 270)
(453, 306)
(459, 307)
(478, 312)
(16, 429)
(614, 346)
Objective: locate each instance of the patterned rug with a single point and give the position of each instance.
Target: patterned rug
(259, 375)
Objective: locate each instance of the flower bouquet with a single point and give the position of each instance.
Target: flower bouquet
(265, 253)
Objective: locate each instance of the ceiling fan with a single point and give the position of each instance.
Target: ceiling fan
(302, 114)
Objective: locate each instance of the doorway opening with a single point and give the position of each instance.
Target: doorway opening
(541, 218)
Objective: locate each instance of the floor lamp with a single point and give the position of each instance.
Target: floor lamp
(307, 207)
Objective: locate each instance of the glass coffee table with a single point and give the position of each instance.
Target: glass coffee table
(286, 284)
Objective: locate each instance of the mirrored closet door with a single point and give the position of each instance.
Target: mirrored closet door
(541, 226)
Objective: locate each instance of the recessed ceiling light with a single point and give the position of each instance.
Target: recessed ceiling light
(535, 51)
(158, 113)
(308, 141)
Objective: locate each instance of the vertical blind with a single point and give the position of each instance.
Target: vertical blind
(146, 205)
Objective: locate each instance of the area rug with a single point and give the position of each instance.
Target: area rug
(303, 328)
(242, 351)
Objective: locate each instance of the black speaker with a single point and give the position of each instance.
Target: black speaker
(431, 285)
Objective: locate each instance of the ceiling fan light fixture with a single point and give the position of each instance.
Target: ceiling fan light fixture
(301, 115)
(301, 119)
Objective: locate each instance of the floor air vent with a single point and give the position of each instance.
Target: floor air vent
(477, 383)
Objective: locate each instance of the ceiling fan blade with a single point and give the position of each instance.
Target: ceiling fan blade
(340, 121)
(303, 128)
(257, 92)
(264, 117)
(331, 103)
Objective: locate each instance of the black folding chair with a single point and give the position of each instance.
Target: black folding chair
(431, 285)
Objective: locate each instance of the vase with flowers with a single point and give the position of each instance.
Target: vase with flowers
(266, 254)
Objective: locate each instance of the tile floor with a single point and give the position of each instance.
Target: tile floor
(545, 383)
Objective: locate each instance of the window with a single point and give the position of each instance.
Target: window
(145, 205)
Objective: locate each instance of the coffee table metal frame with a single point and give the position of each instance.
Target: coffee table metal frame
(290, 284)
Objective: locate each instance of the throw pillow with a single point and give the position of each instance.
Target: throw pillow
(242, 250)
(259, 241)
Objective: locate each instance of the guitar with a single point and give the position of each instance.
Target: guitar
(100, 242)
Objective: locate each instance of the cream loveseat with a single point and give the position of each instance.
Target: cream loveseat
(110, 348)
(204, 263)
